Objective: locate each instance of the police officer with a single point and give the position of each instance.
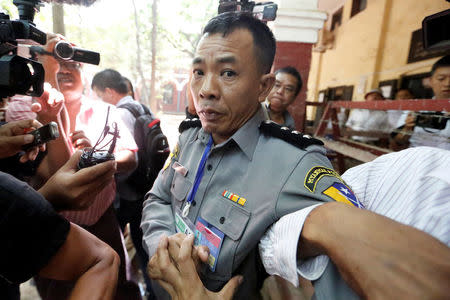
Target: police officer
(225, 181)
(234, 174)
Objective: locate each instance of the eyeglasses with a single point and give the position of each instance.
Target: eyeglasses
(69, 65)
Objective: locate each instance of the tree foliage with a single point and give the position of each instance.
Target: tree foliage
(109, 27)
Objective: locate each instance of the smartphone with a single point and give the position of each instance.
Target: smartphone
(42, 135)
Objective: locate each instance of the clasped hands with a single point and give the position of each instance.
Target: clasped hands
(175, 266)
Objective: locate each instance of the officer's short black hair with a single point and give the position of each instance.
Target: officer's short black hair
(110, 78)
(263, 39)
(292, 71)
(443, 62)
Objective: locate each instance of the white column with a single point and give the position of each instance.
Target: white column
(298, 21)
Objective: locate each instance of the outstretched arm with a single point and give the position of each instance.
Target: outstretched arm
(91, 262)
(70, 188)
(378, 257)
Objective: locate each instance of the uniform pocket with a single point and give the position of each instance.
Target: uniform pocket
(180, 186)
(225, 216)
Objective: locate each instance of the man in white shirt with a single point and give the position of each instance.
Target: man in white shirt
(113, 88)
(368, 120)
(428, 128)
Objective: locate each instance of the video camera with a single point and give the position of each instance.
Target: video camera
(66, 51)
(25, 76)
(264, 11)
(20, 75)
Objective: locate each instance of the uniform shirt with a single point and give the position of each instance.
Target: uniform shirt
(411, 187)
(266, 172)
(91, 119)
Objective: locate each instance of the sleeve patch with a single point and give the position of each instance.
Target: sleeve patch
(341, 193)
(173, 155)
(315, 174)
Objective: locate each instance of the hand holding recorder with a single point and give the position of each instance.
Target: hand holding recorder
(17, 135)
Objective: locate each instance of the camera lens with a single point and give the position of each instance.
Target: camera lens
(27, 8)
(64, 50)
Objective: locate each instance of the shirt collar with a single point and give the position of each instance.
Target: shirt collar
(245, 137)
(124, 100)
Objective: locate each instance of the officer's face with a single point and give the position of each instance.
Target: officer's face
(440, 83)
(227, 85)
(283, 92)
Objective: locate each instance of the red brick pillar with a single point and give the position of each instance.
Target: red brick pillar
(296, 30)
(297, 55)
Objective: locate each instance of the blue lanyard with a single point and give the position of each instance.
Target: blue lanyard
(198, 178)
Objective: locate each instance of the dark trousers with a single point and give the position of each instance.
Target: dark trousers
(107, 229)
(131, 212)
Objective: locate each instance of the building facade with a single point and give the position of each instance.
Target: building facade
(367, 44)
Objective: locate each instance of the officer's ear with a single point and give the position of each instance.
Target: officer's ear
(265, 86)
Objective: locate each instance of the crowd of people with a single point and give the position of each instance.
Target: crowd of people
(242, 196)
(406, 128)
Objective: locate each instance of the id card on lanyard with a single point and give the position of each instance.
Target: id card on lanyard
(205, 233)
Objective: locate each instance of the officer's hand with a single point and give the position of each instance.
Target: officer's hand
(79, 140)
(13, 136)
(178, 275)
(70, 188)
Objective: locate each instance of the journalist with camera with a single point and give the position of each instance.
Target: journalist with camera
(78, 119)
(428, 128)
(35, 238)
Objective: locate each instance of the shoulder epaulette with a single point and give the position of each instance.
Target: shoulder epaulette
(292, 137)
(189, 123)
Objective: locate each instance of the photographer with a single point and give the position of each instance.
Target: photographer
(79, 118)
(427, 128)
(37, 240)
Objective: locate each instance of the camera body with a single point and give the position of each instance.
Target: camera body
(432, 120)
(20, 75)
(90, 157)
(65, 51)
(264, 11)
(43, 135)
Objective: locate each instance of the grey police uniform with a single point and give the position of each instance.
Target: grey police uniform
(267, 172)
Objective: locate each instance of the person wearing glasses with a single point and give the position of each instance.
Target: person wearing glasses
(288, 84)
(81, 120)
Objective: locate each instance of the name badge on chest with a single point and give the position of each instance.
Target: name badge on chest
(208, 235)
(183, 225)
(205, 235)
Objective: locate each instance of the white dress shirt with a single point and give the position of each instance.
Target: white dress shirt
(411, 186)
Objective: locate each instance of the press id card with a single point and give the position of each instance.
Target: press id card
(208, 235)
(183, 225)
